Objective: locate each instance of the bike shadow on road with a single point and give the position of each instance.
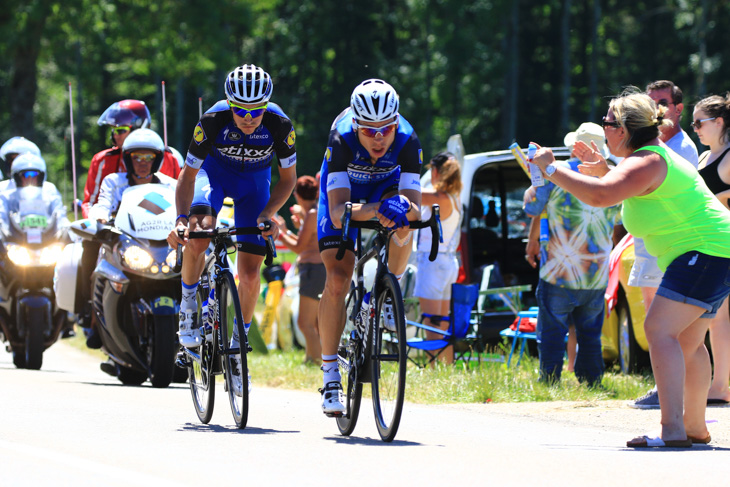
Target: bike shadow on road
(216, 428)
(354, 440)
(695, 447)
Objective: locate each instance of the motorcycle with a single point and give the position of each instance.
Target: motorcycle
(135, 292)
(32, 242)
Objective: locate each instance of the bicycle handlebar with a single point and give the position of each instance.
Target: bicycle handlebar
(224, 231)
(434, 223)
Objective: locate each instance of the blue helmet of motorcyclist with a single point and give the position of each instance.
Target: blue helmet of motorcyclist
(15, 146)
(28, 170)
(124, 117)
(142, 152)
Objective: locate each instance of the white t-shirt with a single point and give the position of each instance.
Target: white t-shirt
(683, 145)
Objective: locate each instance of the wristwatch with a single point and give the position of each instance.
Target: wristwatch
(550, 170)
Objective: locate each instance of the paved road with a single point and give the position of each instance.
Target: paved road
(70, 424)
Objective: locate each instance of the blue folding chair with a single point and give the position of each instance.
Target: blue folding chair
(521, 336)
(460, 330)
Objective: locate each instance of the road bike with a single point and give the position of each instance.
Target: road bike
(218, 314)
(373, 345)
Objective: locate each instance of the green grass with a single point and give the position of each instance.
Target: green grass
(484, 382)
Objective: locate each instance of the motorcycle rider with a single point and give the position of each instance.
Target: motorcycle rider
(143, 151)
(30, 170)
(123, 118)
(11, 149)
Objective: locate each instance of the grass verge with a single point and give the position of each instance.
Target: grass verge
(442, 384)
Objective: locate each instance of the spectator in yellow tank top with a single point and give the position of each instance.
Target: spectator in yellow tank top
(668, 205)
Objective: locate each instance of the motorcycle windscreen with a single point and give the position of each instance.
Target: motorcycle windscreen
(147, 211)
(32, 215)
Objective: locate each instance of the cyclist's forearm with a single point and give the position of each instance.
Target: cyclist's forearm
(281, 192)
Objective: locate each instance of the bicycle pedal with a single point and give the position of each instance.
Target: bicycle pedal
(334, 415)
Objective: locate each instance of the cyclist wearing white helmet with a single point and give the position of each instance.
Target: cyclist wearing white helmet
(231, 154)
(373, 154)
(143, 152)
(123, 118)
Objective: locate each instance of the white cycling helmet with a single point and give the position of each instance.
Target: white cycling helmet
(374, 100)
(18, 145)
(143, 139)
(248, 84)
(27, 162)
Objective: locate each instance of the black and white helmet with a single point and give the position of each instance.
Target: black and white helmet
(374, 100)
(248, 84)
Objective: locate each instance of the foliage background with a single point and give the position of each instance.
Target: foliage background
(494, 71)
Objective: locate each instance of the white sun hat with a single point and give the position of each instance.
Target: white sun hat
(588, 132)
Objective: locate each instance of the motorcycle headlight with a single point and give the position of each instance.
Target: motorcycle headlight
(171, 259)
(136, 258)
(19, 255)
(51, 254)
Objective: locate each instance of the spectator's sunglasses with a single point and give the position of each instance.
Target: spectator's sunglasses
(248, 112)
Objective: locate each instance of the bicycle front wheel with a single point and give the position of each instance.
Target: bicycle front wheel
(236, 380)
(348, 355)
(388, 357)
(201, 367)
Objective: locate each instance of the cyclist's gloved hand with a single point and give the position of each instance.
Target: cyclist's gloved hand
(395, 209)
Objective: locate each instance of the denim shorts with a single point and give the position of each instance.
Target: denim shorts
(699, 279)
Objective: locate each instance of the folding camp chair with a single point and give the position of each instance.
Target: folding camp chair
(460, 330)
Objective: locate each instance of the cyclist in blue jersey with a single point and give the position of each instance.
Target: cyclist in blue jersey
(230, 155)
(373, 159)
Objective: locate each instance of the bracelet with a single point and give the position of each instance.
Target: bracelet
(182, 216)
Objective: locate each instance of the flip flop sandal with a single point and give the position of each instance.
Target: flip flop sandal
(647, 442)
(701, 441)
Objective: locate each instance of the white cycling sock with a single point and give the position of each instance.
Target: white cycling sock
(188, 295)
(235, 339)
(331, 369)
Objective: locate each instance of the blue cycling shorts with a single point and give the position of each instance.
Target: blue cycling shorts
(249, 191)
(329, 237)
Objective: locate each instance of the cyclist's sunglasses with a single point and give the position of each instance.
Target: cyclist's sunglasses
(248, 112)
(142, 156)
(122, 129)
(30, 173)
(371, 132)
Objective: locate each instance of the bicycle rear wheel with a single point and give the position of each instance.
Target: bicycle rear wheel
(347, 354)
(201, 367)
(388, 358)
(230, 315)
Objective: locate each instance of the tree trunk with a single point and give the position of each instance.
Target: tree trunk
(565, 48)
(24, 80)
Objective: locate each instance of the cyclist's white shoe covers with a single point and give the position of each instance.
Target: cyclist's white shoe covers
(332, 398)
(388, 316)
(189, 334)
(237, 382)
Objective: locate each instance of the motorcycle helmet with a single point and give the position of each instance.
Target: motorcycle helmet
(143, 139)
(27, 162)
(18, 145)
(248, 84)
(374, 100)
(132, 113)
